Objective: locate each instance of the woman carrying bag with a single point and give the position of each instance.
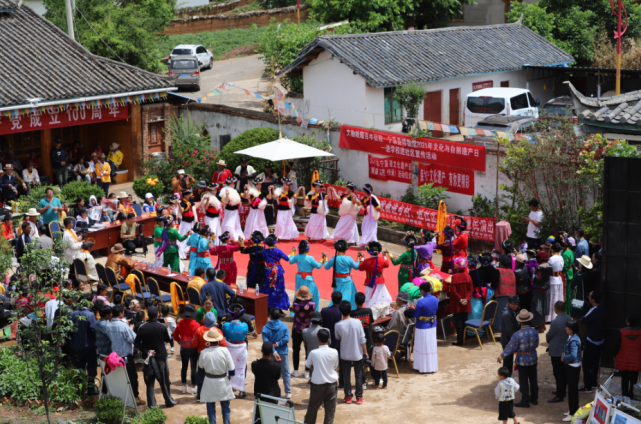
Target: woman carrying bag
(572, 363)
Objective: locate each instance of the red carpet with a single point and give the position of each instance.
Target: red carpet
(322, 277)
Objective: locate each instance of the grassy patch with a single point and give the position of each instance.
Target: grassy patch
(221, 42)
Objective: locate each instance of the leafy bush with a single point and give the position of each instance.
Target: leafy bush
(194, 419)
(249, 138)
(72, 191)
(142, 187)
(109, 410)
(409, 196)
(410, 98)
(482, 207)
(36, 194)
(153, 415)
(430, 196)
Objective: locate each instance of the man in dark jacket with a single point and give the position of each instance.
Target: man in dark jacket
(331, 315)
(523, 282)
(83, 341)
(366, 317)
(509, 326)
(267, 372)
(59, 162)
(9, 184)
(217, 290)
(152, 340)
(557, 337)
(595, 320)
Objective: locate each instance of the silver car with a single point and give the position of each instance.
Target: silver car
(186, 71)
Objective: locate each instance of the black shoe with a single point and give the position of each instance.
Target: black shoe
(585, 390)
(341, 386)
(534, 402)
(555, 399)
(457, 344)
(522, 404)
(554, 393)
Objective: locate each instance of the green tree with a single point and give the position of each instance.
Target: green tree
(121, 29)
(410, 97)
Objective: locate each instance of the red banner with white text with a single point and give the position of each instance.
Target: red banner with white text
(456, 180)
(448, 153)
(390, 169)
(417, 216)
(52, 118)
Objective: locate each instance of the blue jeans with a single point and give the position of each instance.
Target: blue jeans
(211, 412)
(284, 371)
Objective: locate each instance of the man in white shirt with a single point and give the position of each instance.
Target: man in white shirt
(30, 175)
(349, 332)
(71, 240)
(323, 362)
(90, 263)
(534, 221)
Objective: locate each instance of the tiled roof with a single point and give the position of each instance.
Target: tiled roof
(624, 109)
(38, 60)
(393, 58)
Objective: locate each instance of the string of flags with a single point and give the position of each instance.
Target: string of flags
(454, 129)
(92, 104)
(278, 104)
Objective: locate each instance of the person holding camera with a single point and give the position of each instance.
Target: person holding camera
(128, 234)
(353, 351)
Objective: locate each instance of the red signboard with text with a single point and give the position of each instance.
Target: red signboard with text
(392, 169)
(52, 118)
(417, 216)
(448, 153)
(456, 180)
(476, 86)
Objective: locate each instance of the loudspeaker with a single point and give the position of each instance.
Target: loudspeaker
(621, 267)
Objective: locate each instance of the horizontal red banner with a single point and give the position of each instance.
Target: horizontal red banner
(393, 169)
(53, 118)
(448, 153)
(456, 180)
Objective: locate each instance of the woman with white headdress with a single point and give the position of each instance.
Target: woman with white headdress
(285, 227)
(257, 203)
(316, 228)
(231, 199)
(212, 207)
(371, 207)
(346, 227)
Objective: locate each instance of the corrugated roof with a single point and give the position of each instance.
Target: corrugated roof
(38, 60)
(392, 58)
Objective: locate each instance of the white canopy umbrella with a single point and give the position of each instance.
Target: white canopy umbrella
(283, 149)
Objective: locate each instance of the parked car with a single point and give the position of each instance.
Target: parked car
(204, 56)
(515, 124)
(186, 71)
(499, 101)
(560, 106)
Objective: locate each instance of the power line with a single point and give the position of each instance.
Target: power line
(103, 41)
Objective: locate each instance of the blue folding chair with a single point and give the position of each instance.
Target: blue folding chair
(54, 229)
(112, 278)
(142, 292)
(137, 209)
(193, 295)
(485, 323)
(74, 221)
(154, 289)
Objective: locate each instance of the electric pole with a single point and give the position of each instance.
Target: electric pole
(69, 19)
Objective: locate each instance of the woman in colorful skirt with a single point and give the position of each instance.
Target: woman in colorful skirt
(556, 281)
(316, 228)
(256, 264)
(371, 214)
(568, 273)
(225, 253)
(346, 227)
(285, 227)
(342, 266)
(210, 203)
(187, 220)
(274, 283)
(375, 290)
(407, 261)
(160, 226)
(306, 265)
(201, 258)
(424, 251)
(231, 200)
(192, 244)
(168, 248)
(257, 203)
(425, 352)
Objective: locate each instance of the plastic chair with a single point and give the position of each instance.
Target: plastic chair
(142, 292)
(54, 229)
(179, 299)
(112, 279)
(81, 270)
(392, 339)
(485, 323)
(137, 209)
(194, 296)
(154, 289)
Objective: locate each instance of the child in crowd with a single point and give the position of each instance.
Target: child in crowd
(139, 321)
(171, 326)
(117, 300)
(380, 355)
(504, 392)
(102, 293)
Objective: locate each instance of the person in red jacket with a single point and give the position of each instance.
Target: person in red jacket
(447, 249)
(184, 335)
(459, 244)
(628, 355)
(7, 228)
(375, 290)
(460, 289)
(221, 173)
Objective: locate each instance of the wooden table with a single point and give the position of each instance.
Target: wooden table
(110, 235)
(254, 304)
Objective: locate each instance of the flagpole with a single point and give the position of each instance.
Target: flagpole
(298, 14)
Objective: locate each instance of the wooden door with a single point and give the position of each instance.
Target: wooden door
(455, 107)
(505, 83)
(432, 109)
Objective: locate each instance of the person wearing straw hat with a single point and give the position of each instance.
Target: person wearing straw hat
(10, 185)
(103, 173)
(117, 261)
(32, 218)
(316, 228)
(342, 266)
(524, 343)
(30, 175)
(346, 227)
(218, 365)
(425, 353)
(257, 203)
(231, 199)
(285, 227)
(210, 203)
(306, 265)
(221, 174)
(123, 204)
(115, 155)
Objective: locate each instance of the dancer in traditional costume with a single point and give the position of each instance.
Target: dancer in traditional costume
(425, 353)
(274, 284)
(371, 211)
(170, 236)
(461, 239)
(256, 265)
(407, 261)
(211, 205)
(187, 220)
(225, 253)
(160, 226)
(342, 266)
(375, 290)
(257, 203)
(556, 280)
(424, 251)
(231, 200)
(446, 249)
(201, 258)
(316, 229)
(306, 265)
(285, 227)
(235, 332)
(568, 273)
(346, 227)
(192, 244)
(460, 289)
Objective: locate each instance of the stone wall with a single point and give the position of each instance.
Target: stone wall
(197, 24)
(211, 9)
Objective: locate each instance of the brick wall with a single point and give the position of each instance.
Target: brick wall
(211, 9)
(242, 20)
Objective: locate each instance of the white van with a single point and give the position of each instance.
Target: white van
(499, 101)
